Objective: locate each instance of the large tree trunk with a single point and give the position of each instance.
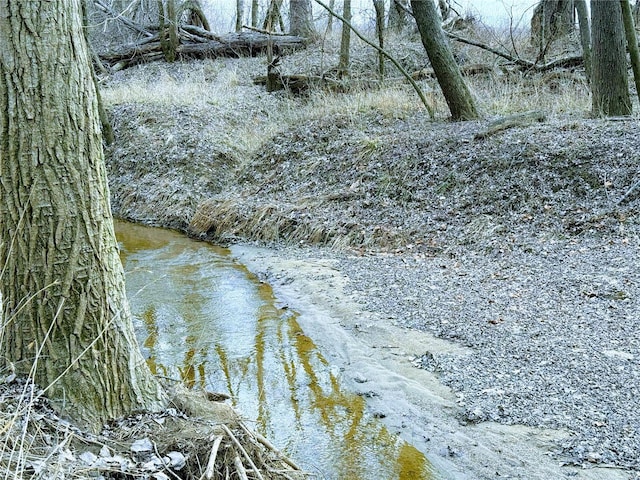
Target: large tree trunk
(458, 97)
(300, 19)
(609, 82)
(66, 318)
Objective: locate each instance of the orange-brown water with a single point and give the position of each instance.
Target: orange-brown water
(203, 318)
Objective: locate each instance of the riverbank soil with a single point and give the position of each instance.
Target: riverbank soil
(479, 286)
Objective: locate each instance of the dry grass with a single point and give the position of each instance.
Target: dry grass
(227, 84)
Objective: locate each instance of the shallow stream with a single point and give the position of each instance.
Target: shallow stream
(203, 318)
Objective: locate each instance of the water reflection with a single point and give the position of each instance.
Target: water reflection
(205, 320)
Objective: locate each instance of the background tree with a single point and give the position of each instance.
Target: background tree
(397, 15)
(255, 12)
(300, 19)
(458, 97)
(609, 82)
(632, 42)
(168, 25)
(585, 35)
(551, 19)
(66, 320)
(239, 14)
(378, 6)
(345, 40)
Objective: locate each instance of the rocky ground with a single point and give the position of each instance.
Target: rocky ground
(519, 245)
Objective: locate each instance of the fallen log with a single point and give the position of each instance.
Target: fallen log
(192, 46)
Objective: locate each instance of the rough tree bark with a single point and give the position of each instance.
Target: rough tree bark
(609, 82)
(458, 97)
(66, 318)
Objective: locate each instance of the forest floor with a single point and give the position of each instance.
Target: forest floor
(503, 264)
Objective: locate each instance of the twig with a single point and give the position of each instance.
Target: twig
(242, 473)
(244, 452)
(266, 32)
(629, 192)
(270, 446)
(115, 15)
(165, 466)
(211, 464)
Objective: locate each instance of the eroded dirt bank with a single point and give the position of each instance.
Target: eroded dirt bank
(465, 283)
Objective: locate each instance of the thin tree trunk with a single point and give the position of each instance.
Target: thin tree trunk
(255, 12)
(458, 97)
(378, 5)
(632, 42)
(66, 318)
(345, 41)
(585, 35)
(332, 6)
(609, 84)
(273, 16)
(239, 14)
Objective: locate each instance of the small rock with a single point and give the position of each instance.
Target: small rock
(177, 461)
(142, 445)
(89, 458)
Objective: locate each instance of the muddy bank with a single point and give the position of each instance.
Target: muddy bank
(482, 291)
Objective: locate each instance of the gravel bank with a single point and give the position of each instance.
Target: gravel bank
(554, 336)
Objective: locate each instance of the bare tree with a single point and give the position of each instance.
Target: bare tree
(609, 83)
(378, 6)
(66, 317)
(255, 11)
(458, 97)
(239, 14)
(345, 40)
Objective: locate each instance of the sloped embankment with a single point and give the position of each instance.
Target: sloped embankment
(378, 182)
